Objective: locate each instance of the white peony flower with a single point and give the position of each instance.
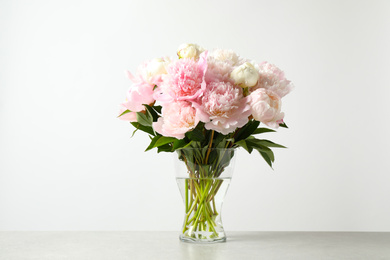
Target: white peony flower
(189, 50)
(155, 67)
(266, 107)
(245, 75)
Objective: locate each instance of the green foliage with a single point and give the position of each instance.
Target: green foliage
(180, 143)
(262, 130)
(151, 113)
(283, 125)
(164, 148)
(244, 145)
(195, 135)
(260, 145)
(144, 119)
(164, 140)
(153, 142)
(146, 129)
(124, 112)
(158, 109)
(205, 140)
(247, 130)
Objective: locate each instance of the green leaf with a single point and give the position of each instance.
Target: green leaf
(144, 119)
(164, 148)
(188, 155)
(258, 146)
(162, 140)
(271, 155)
(268, 151)
(185, 146)
(264, 151)
(223, 143)
(151, 113)
(247, 130)
(204, 151)
(218, 138)
(213, 156)
(244, 145)
(269, 143)
(134, 132)
(262, 130)
(152, 143)
(124, 112)
(195, 135)
(158, 109)
(146, 129)
(283, 125)
(266, 158)
(179, 143)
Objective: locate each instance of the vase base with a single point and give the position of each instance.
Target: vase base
(188, 239)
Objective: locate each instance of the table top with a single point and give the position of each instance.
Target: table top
(150, 245)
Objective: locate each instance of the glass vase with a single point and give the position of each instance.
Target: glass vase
(203, 176)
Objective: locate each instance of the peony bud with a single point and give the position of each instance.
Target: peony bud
(245, 75)
(188, 50)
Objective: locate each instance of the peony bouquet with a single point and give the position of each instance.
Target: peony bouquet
(203, 105)
(211, 99)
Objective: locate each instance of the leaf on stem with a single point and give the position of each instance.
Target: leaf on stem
(158, 109)
(266, 158)
(244, 145)
(218, 138)
(144, 119)
(151, 113)
(269, 143)
(195, 135)
(283, 125)
(134, 132)
(259, 145)
(262, 130)
(164, 148)
(247, 130)
(124, 112)
(179, 143)
(163, 140)
(152, 143)
(146, 129)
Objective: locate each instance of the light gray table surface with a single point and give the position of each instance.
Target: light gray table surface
(166, 245)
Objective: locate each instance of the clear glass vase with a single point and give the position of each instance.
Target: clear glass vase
(203, 176)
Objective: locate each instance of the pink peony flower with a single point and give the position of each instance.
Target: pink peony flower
(177, 118)
(218, 70)
(220, 64)
(265, 107)
(131, 116)
(272, 78)
(141, 92)
(184, 81)
(225, 107)
(228, 56)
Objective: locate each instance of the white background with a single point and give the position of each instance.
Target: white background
(67, 163)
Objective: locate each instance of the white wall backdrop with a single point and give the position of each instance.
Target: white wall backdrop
(67, 163)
